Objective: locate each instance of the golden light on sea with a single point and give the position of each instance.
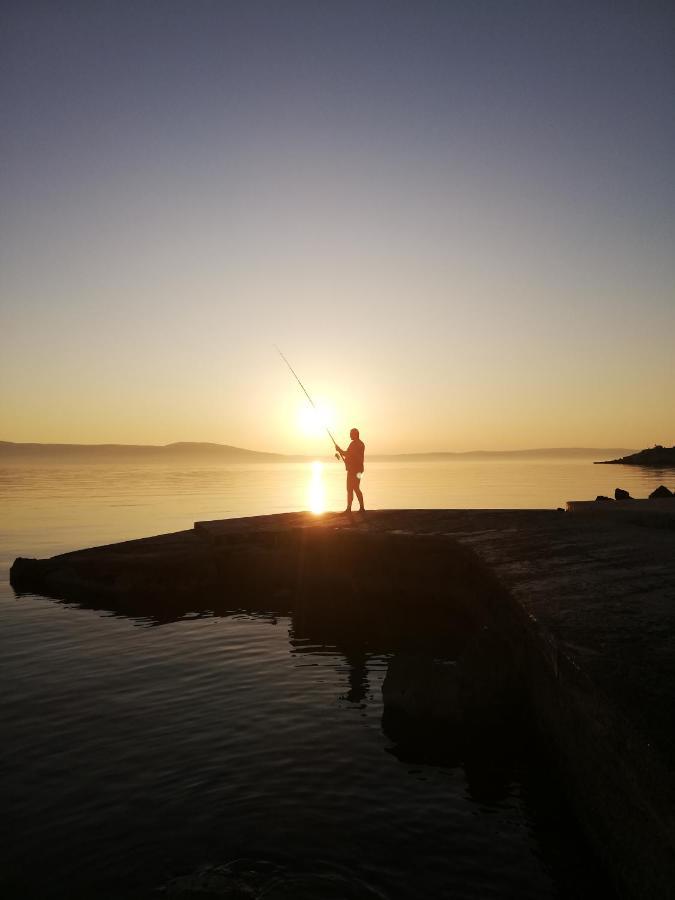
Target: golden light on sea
(316, 490)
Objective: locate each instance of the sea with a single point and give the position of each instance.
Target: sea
(231, 747)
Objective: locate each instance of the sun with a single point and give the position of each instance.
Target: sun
(314, 421)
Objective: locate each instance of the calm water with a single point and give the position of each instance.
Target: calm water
(46, 510)
(131, 753)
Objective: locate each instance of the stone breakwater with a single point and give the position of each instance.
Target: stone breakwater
(570, 619)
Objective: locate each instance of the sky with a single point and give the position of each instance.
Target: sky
(456, 219)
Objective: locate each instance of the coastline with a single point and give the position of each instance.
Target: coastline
(656, 457)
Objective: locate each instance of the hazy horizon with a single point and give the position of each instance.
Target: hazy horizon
(200, 446)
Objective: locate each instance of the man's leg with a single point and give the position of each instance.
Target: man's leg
(350, 491)
(358, 492)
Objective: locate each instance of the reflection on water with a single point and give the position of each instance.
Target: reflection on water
(317, 491)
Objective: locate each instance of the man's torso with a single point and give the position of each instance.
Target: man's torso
(354, 456)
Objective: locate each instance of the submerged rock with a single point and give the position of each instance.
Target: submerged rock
(319, 886)
(210, 883)
(244, 879)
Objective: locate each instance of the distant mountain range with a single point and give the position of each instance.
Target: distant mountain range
(182, 451)
(540, 453)
(205, 452)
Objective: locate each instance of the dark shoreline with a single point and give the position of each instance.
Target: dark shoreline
(652, 458)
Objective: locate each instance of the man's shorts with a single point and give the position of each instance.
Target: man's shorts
(354, 479)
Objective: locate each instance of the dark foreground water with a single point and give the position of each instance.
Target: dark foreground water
(132, 753)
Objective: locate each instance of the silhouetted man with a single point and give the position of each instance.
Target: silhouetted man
(353, 459)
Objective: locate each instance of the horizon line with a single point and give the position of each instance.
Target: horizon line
(232, 447)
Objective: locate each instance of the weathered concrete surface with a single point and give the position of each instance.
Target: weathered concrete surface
(591, 600)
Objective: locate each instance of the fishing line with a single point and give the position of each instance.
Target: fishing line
(304, 389)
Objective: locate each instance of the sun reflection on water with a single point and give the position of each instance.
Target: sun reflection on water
(317, 491)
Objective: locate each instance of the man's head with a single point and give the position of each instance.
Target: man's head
(354, 434)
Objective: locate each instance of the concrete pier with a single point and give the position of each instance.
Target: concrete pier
(586, 602)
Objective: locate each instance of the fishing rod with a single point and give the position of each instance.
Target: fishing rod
(304, 389)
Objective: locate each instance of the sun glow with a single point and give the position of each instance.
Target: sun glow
(313, 422)
(317, 491)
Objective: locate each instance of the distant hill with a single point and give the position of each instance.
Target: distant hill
(191, 452)
(589, 453)
(179, 452)
(654, 458)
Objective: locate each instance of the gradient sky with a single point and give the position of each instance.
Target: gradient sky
(456, 219)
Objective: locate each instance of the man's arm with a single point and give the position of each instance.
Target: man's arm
(343, 454)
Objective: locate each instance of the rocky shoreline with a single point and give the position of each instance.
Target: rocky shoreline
(656, 457)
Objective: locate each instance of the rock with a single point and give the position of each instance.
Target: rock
(620, 494)
(209, 883)
(661, 491)
(315, 885)
(239, 879)
(244, 879)
(601, 497)
(656, 457)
